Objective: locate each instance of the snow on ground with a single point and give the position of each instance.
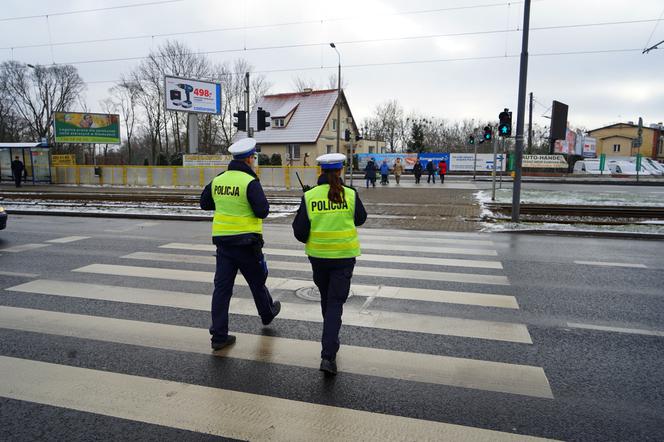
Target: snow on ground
(616, 198)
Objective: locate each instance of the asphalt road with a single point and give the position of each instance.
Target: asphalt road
(452, 336)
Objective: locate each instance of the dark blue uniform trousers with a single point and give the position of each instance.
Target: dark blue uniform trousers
(332, 277)
(251, 262)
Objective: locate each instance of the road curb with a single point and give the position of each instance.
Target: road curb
(587, 233)
(207, 218)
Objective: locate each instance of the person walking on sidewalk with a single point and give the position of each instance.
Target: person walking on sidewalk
(17, 171)
(239, 205)
(442, 170)
(370, 172)
(431, 172)
(417, 171)
(384, 172)
(326, 222)
(398, 170)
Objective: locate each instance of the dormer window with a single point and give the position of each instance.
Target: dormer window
(279, 122)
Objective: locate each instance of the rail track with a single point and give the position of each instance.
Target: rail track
(590, 211)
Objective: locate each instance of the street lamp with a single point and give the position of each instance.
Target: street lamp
(333, 46)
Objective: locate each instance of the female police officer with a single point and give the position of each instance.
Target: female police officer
(326, 222)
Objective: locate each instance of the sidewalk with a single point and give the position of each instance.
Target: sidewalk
(447, 207)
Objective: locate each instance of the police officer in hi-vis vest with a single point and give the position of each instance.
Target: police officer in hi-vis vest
(239, 205)
(326, 222)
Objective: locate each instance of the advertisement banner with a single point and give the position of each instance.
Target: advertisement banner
(408, 159)
(63, 160)
(206, 160)
(187, 95)
(544, 162)
(78, 127)
(436, 157)
(589, 147)
(463, 162)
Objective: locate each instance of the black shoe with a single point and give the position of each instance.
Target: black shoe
(328, 367)
(230, 340)
(277, 309)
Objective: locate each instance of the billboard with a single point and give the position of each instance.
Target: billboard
(206, 160)
(187, 95)
(589, 147)
(408, 159)
(79, 127)
(566, 146)
(544, 162)
(463, 162)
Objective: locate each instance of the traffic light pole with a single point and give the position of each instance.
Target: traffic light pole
(475, 162)
(523, 75)
(250, 133)
(493, 172)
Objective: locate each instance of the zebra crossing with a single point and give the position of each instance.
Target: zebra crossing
(384, 282)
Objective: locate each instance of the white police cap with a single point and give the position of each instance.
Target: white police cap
(243, 148)
(331, 160)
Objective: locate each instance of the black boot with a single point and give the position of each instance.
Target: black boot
(328, 367)
(230, 340)
(277, 309)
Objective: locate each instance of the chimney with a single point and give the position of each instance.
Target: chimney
(307, 91)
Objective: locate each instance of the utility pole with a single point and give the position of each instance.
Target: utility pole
(523, 74)
(530, 125)
(475, 162)
(250, 131)
(493, 172)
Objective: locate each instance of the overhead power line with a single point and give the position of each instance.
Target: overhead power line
(407, 62)
(83, 11)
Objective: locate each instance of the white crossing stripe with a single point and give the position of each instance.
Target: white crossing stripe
(611, 264)
(402, 259)
(417, 323)
(392, 292)
(68, 239)
(216, 411)
(363, 271)
(364, 246)
(20, 275)
(633, 331)
(444, 370)
(24, 247)
(424, 239)
(423, 233)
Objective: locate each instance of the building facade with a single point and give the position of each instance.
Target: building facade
(303, 126)
(616, 140)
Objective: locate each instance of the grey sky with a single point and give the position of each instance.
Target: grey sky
(599, 88)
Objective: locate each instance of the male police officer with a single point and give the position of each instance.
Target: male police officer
(239, 205)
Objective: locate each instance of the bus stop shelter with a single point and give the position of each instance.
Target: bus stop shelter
(35, 157)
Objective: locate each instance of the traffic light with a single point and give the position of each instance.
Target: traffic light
(358, 137)
(471, 139)
(261, 119)
(487, 133)
(241, 122)
(347, 135)
(505, 126)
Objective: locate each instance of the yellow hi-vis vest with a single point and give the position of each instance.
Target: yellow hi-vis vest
(333, 233)
(232, 212)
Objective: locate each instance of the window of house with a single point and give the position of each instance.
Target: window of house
(616, 147)
(294, 151)
(329, 148)
(279, 122)
(334, 124)
(371, 149)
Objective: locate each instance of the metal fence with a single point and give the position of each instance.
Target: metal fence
(176, 176)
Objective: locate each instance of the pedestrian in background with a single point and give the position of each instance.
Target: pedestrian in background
(442, 170)
(398, 170)
(326, 222)
(17, 171)
(239, 205)
(431, 172)
(417, 171)
(370, 172)
(384, 172)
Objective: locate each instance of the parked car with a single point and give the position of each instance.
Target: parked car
(3, 218)
(590, 167)
(646, 166)
(621, 167)
(656, 164)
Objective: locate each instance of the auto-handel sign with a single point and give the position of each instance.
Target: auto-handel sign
(187, 95)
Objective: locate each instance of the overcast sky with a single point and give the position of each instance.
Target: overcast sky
(600, 88)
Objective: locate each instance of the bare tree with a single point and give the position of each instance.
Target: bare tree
(125, 95)
(39, 91)
(388, 117)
